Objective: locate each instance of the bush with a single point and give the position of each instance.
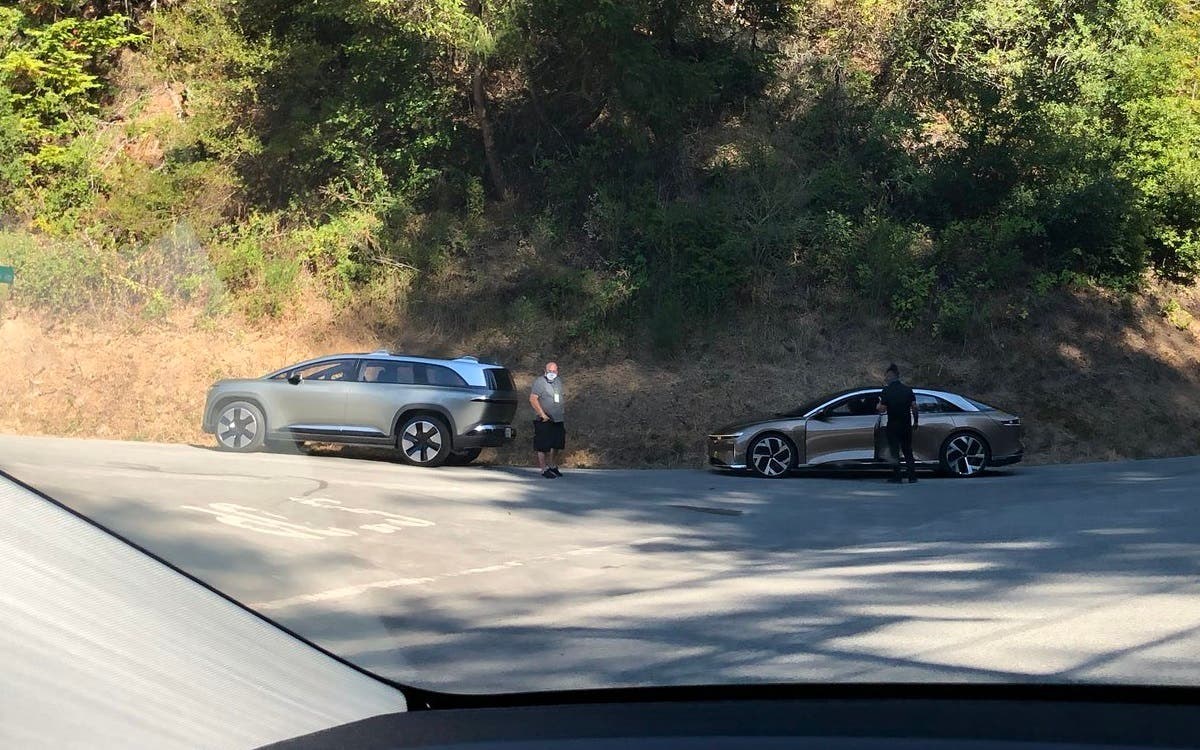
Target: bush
(58, 275)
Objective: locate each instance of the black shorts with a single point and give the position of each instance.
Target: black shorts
(549, 436)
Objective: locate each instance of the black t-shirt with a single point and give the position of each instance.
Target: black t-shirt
(899, 399)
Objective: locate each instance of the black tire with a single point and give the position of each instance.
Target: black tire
(463, 457)
(241, 427)
(424, 440)
(965, 455)
(771, 456)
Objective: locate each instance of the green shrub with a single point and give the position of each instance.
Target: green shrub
(1174, 314)
(58, 275)
(238, 263)
(911, 301)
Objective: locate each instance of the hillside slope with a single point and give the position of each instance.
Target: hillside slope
(1095, 379)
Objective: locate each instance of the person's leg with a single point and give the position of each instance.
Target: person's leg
(560, 444)
(906, 444)
(893, 439)
(541, 446)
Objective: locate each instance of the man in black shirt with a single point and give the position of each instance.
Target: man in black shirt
(900, 403)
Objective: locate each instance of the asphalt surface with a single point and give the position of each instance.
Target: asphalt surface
(481, 579)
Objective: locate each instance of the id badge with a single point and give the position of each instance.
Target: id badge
(557, 397)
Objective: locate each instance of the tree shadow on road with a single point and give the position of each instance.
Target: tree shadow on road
(1012, 578)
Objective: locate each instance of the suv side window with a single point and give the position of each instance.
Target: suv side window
(861, 405)
(393, 373)
(438, 375)
(334, 369)
(499, 379)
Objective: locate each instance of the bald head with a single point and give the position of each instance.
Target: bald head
(551, 367)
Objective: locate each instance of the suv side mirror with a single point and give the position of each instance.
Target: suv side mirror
(294, 378)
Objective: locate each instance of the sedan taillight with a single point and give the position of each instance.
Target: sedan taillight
(1014, 422)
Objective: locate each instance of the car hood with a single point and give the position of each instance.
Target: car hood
(744, 424)
(232, 383)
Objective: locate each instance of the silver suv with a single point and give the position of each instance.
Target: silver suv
(434, 411)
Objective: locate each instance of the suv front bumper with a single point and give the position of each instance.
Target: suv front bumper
(486, 436)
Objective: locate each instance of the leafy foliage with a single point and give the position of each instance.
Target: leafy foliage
(687, 154)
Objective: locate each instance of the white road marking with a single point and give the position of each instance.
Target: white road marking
(263, 522)
(347, 592)
(343, 593)
(395, 518)
(274, 524)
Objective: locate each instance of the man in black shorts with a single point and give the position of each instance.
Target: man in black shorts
(549, 433)
(900, 403)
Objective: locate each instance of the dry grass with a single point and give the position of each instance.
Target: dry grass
(1095, 377)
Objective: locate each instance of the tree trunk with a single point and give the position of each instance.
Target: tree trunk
(479, 100)
(479, 95)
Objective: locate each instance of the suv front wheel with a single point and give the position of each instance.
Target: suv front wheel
(424, 440)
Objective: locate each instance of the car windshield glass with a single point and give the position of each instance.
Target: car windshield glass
(484, 343)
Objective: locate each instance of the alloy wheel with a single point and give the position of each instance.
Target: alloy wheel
(966, 455)
(237, 427)
(421, 441)
(771, 456)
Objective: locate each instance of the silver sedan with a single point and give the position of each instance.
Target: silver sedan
(958, 436)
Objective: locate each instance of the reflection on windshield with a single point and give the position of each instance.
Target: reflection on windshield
(511, 262)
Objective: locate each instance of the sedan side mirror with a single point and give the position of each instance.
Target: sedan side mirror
(294, 379)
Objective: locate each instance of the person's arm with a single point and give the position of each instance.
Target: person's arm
(536, 403)
(881, 405)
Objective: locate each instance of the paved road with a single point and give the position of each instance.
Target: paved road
(482, 579)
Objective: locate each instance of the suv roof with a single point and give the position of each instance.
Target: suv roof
(388, 354)
(469, 367)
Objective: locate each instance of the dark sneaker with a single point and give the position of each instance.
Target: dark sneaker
(895, 480)
(912, 480)
(549, 474)
(554, 469)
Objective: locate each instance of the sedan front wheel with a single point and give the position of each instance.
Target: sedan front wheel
(771, 456)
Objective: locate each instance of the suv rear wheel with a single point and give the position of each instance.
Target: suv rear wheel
(424, 440)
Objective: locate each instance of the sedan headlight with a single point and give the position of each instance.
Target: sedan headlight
(729, 436)
(1014, 422)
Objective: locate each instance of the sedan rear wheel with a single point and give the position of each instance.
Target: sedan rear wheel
(965, 455)
(424, 441)
(771, 456)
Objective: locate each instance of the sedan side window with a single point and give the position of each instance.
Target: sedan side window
(927, 404)
(855, 406)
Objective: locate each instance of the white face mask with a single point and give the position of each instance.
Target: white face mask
(551, 376)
